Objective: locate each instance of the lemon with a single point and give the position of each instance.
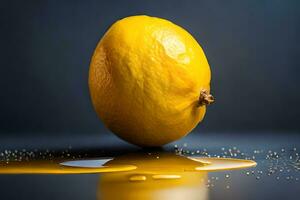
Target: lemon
(149, 81)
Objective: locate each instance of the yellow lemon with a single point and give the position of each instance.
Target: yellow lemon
(149, 81)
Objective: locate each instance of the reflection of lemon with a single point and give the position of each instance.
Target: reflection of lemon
(158, 176)
(149, 81)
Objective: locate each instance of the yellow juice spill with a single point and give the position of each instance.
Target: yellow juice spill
(171, 176)
(159, 165)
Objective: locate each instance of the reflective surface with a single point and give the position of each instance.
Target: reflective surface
(184, 170)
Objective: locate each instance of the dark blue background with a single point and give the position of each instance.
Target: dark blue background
(46, 46)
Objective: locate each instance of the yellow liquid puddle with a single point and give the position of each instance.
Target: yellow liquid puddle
(147, 176)
(160, 165)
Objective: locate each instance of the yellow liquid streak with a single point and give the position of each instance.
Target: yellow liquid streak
(54, 167)
(220, 164)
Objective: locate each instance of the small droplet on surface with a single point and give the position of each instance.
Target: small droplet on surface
(137, 178)
(166, 176)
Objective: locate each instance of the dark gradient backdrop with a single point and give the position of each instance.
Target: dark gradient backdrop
(46, 46)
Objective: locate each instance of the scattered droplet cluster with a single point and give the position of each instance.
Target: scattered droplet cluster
(280, 164)
(233, 152)
(28, 155)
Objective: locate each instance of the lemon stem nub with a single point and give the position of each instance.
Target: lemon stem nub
(205, 98)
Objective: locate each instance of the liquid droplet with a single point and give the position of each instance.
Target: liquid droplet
(166, 176)
(137, 178)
